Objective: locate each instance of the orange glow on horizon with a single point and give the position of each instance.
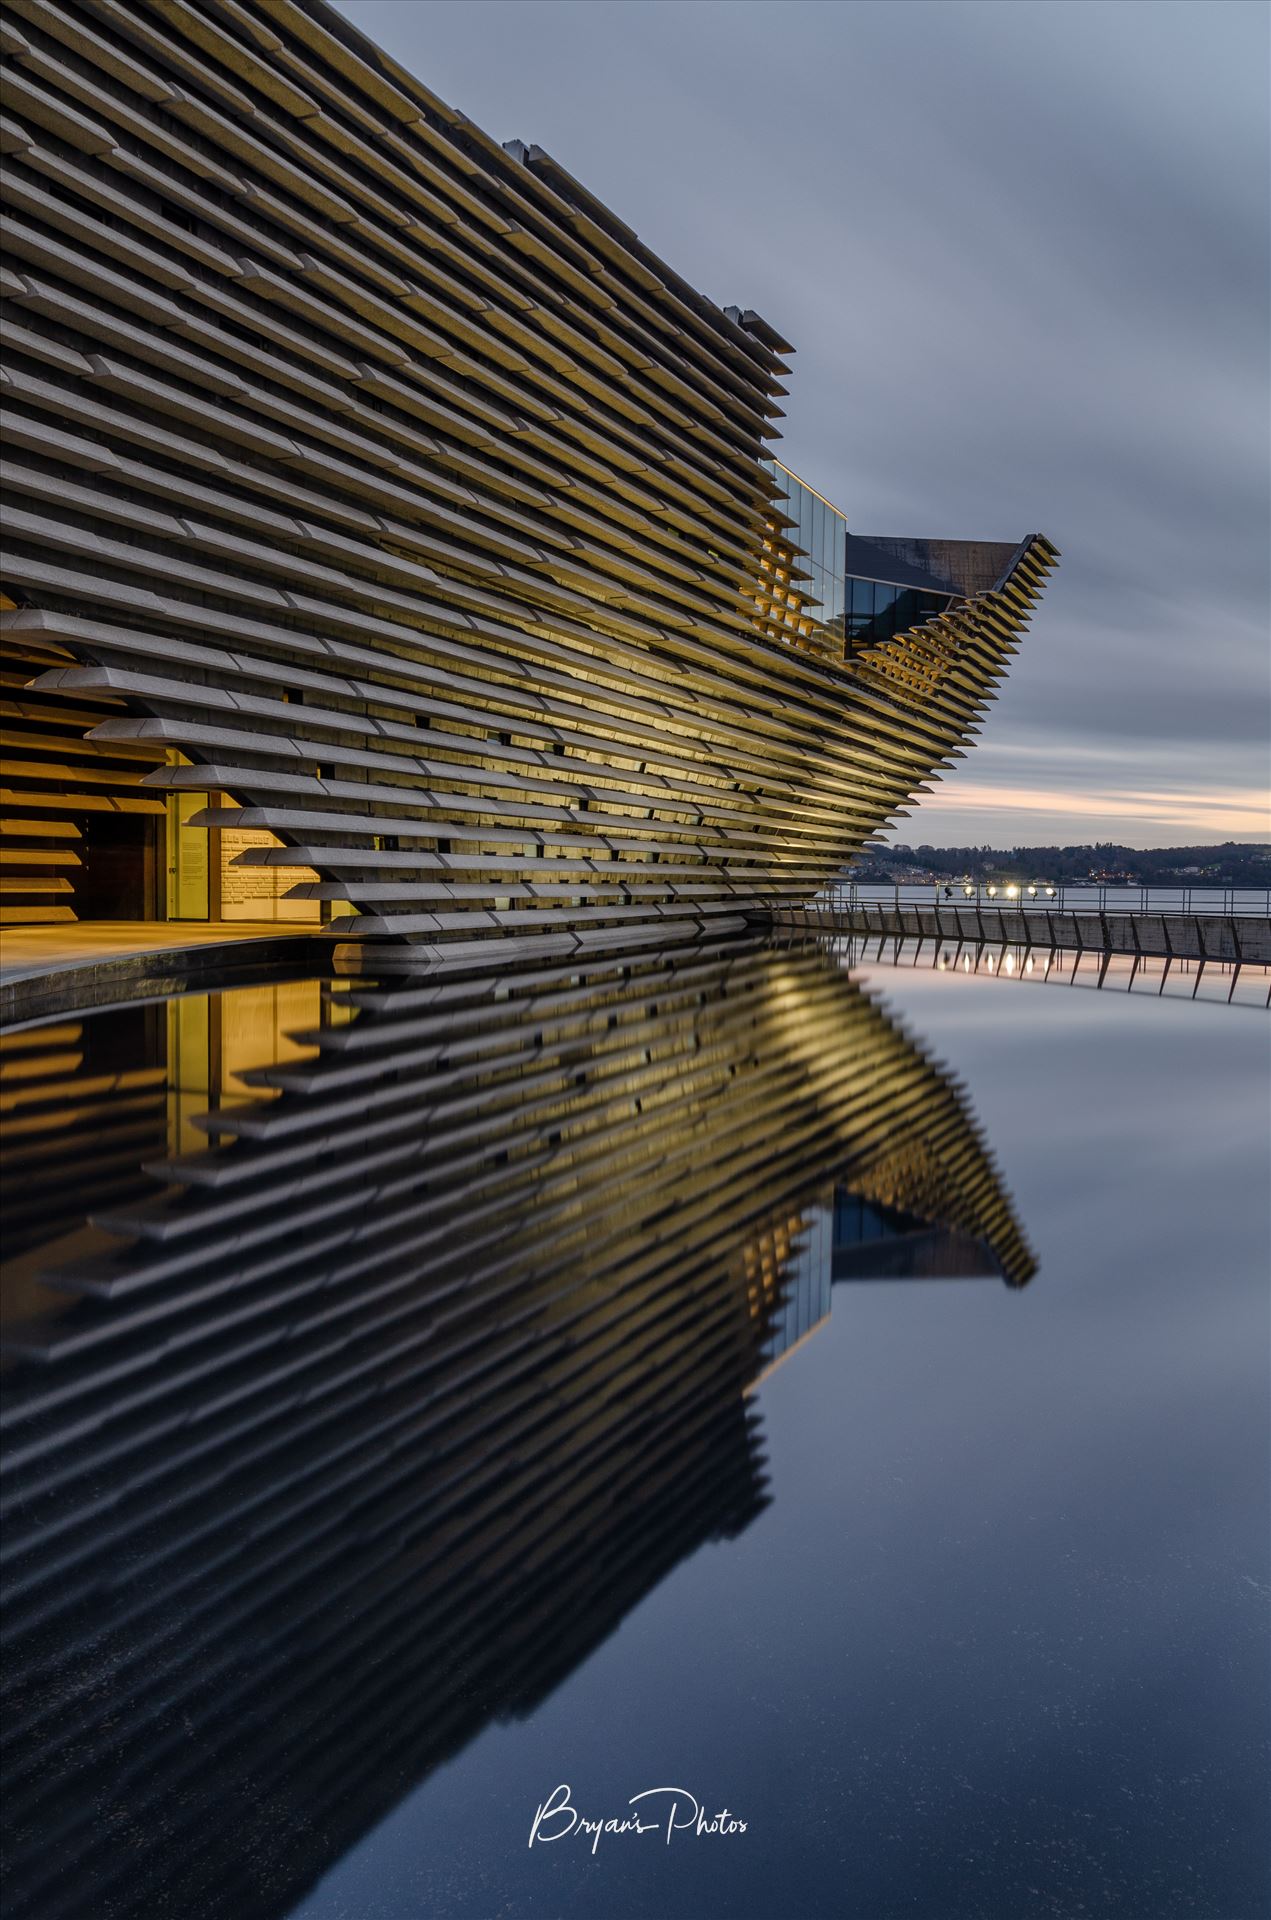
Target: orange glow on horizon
(1237, 813)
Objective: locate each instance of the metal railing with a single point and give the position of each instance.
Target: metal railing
(1059, 896)
(1164, 975)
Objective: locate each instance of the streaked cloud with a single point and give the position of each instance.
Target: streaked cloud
(1018, 816)
(1022, 251)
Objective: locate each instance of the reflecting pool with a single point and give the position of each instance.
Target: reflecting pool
(837, 1395)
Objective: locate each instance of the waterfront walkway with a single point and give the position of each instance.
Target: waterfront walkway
(1239, 939)
(46, 971)
(92, 963)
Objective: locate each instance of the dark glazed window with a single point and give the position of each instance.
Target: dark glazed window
(878, 611)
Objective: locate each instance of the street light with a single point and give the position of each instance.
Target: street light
(1032, 893)
(991, 892)
(1050, 893)
(1012, 892)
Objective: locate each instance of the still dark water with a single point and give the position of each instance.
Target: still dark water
(642, 1381)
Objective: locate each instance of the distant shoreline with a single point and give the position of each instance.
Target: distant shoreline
(1234, 863)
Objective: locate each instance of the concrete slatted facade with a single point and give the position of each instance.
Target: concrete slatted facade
(387, 477)
(59, 790)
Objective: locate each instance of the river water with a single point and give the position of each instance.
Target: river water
(835, 1403)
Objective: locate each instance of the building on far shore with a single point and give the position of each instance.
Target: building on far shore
(395, 540)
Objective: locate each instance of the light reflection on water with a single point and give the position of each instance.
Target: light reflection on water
(961, 1610)
(1247, 985)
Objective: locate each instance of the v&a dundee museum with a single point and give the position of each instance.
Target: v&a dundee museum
(497, 1299)
(395, 543)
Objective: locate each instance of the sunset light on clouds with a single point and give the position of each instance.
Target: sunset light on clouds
(977, 811)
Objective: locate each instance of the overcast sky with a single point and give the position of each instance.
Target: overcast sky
(1021, 247)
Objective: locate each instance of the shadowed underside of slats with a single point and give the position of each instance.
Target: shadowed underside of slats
(386, 476)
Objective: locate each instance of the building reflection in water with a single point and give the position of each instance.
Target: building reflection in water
(401, 1358)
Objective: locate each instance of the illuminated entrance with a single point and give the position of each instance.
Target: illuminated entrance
(204, 878)
(83, 838)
